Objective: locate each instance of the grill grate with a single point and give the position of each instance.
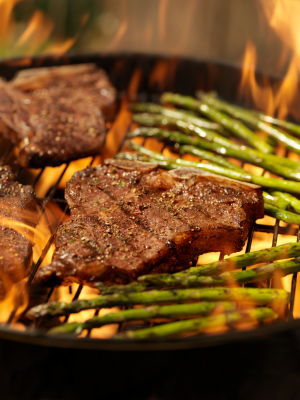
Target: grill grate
(9, 154)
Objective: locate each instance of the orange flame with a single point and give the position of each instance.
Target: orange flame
(249, 89)
(8, 303)
(6, 20)
(37, 32)
(283, 99)
(37, 35)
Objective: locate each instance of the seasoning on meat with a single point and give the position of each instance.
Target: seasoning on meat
(17, 214)
(56, 114)
(128, 219)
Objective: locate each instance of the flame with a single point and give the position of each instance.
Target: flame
(122, 29)
(281, 99)
(162, 74)
(11, 290)
(162, 12)
(37, 35)
(8, 303)
(51, 217)
(117, 131)
(284, 19)
(73, 167)
(66, 294)
(6, 20)
(38, 30)
(249, 89)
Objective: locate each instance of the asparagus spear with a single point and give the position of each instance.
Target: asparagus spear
(181, 123)
(172, 163)
(226, 278)
(273, 297)
(171, 311)
(265, 161)
(279, 122)
(208, 135)
(293, 201)
(177, 114)
(206, 155)
(198, 325)
(245, 260)
(236, 127)
(177, 137)
(266, 118)
(283, 215)
(247, 116)
(241, 152)
(276, 200)
(289, 250)
(275, 212)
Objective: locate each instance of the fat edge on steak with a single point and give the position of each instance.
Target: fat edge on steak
(128, 219)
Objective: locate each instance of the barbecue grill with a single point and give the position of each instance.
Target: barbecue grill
(258, 362)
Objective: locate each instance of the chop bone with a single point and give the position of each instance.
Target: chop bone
(128, 219)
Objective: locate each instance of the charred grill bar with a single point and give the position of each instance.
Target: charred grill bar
(137, 77)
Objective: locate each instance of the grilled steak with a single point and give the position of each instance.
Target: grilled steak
(17, 211)
(56, 114)
(129, 219)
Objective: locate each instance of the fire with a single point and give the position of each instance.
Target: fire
(162, 74)
(249, 89)
(118, 130)
(38, 30)
(48, 221)
(64, 294)
(162, 11)
(6, 9)
(8, 303)
(281, 99)
(284, 19)
(37, 35)
(51, 217)
(122, 28)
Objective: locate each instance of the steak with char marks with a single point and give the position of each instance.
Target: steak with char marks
(17, 215)
(56, 114)
(129, 219)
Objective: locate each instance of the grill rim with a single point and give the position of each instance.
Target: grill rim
(193, 342)
(37, 336)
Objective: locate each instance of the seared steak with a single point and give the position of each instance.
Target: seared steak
(56, 114)
(129, 219)
(17, 214)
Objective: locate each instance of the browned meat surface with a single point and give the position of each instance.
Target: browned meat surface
(129, 219)
(17, 213)
(56, 114)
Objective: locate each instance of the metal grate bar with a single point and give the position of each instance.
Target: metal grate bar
(38, 177)
(6, 154)
(76, 296)
(275, 230)
(32, 275)
(281, 230)
(293, 288)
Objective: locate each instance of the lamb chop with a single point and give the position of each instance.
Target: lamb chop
(17, 215)
(56, 114)
(129, 219)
